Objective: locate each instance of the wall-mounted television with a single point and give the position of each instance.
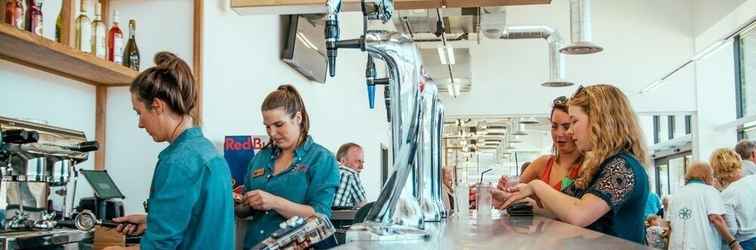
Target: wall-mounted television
(304, 45)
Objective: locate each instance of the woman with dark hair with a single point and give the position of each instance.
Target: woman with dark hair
(561, 168)
(292, 175)
(190, 205)
(609, 195)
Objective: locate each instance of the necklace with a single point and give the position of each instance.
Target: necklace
(173, 134)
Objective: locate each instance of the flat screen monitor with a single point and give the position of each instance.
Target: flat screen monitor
(103, 186)
(304, 45)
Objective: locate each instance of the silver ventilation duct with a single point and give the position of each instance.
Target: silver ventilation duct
(580, 29)
(556, 59)
(493, 21)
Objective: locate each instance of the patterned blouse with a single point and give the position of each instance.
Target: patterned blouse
(622, 183)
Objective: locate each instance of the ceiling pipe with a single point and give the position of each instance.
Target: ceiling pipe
(556, 77)
(494, 26)
(580, 30)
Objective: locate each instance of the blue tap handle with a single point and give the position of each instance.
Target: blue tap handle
(371, 95)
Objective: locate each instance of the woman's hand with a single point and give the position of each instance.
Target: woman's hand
(502, 185)
(133, 224)
(519, 192)
(499, 197)
(261, 200)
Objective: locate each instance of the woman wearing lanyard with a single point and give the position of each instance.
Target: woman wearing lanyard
(190, 203)
(610, 194)
(292, 175)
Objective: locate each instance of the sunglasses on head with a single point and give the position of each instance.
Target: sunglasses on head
(579, 89)
(562, 100)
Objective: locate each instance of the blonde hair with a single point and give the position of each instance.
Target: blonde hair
(726, 165)
(700, 170)
(613, 127)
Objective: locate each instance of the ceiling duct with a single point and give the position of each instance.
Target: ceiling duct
(493, 21)
(494, 26)
(556, 59)
(580, 29)
(421, 24)
(529, 121)
(519, 128)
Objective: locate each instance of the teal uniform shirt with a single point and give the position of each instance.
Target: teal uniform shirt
(190, 204)
(622, 183)
(311, 180)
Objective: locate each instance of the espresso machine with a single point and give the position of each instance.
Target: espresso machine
(38, 184)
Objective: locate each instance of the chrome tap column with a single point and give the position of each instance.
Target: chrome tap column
(403, 63)
(427, 185)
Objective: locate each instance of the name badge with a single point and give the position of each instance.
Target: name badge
(258, 172)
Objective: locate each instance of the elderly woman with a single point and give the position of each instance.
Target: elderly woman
(738, 194)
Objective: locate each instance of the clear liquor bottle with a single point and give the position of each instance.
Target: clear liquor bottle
(98, 42)
(83, 29)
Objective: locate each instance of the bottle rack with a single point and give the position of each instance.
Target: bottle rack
(28, 49)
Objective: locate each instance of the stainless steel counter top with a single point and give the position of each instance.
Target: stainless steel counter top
(504, 233)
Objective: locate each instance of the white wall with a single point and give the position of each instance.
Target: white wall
(716, 84)
(242, 66)
(709, 12)
(131, 153)
(642, 41)
(716, 103)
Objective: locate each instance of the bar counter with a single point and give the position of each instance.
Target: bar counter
(503, 233)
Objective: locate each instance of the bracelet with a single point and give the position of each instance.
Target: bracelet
(730, 243)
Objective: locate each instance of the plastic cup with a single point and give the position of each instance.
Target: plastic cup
(484, 203)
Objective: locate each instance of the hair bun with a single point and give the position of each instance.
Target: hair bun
(165, 59)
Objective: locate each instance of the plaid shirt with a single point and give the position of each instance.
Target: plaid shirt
(351, 192)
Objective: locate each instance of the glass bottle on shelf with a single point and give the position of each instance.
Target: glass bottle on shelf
(98, 34)
(83, 29)
(2, 10)
(9, 10)
(34, 16)
(115, 41)
(21, 14)
(131, 53)
(14, 13)
(59, 25)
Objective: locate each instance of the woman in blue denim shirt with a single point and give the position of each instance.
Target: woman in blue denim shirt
(190, 204)
(292, 175)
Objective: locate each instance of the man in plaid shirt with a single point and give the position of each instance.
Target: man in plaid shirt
(351, 193)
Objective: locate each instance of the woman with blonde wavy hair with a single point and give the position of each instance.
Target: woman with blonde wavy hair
(610, 193)
(726, 165)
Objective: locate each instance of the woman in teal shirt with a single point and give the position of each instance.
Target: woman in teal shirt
(190, 204)
(292, 175)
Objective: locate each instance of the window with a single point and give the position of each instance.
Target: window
(669, 173)
(745, 77)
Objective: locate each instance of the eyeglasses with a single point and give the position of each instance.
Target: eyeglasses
(562, 100)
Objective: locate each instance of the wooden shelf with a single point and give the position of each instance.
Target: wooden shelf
(38, 52)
